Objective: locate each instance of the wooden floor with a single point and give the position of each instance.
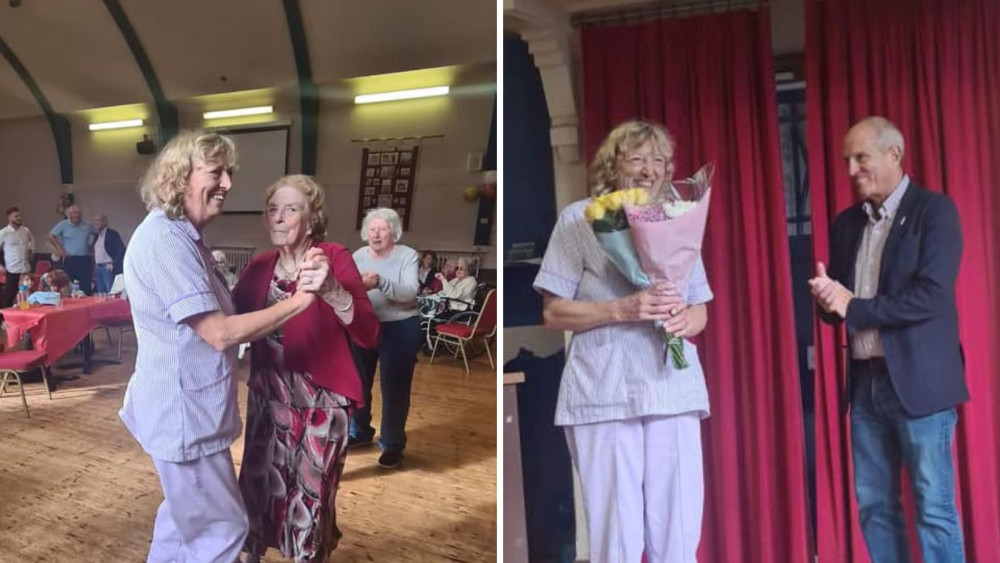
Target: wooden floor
(75, 486)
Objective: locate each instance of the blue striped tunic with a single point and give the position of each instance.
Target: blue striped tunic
(181, 401)
(615, 371)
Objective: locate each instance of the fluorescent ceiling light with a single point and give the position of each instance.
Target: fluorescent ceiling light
(401, 95)
(238, 112)
(115, 124)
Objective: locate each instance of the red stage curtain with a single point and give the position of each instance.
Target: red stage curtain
(710, 80)
(933, 68)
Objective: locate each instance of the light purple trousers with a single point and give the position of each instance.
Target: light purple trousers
(202, 518)
(643, 487)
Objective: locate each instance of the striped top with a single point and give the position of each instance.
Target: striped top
(181, 401)
(867, 343)
(395, 299)
(615, 371)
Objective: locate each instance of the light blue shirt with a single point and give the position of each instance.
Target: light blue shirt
(74, 238)
(615, 371)
(181, 402)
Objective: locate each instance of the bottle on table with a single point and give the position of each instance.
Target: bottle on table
(22, 297)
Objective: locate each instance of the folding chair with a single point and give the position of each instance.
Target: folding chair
(122, 323)
(458, 334)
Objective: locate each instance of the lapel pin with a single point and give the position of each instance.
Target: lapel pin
(903, 220)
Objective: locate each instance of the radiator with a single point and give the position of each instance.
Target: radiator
(237, 256)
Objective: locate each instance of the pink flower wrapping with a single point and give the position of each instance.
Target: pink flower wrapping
(668, 247)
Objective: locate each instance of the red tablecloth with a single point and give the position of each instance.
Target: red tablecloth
(56, 330)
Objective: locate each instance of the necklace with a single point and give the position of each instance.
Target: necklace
(283, 279)
(281, 271)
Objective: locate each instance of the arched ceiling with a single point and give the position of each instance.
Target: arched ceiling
(77, 54)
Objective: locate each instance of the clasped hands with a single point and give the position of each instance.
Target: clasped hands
(370, 279)
(830, 294)
(314, 273)
(660, 302)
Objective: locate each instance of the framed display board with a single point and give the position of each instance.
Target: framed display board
(387, 180)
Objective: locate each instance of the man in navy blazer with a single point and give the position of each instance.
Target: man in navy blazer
(109, 254)
(894, 259)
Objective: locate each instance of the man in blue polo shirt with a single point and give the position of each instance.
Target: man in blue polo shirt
(71, 238)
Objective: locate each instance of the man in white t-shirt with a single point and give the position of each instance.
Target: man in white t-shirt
(17, 246)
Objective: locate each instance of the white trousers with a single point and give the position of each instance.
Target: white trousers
(643, 487)
(202, 518)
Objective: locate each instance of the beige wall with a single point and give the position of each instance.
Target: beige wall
(29, 172)
(107, 168)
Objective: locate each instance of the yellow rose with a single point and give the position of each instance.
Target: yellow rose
(614, 201)
(627, 197)
(594, 212)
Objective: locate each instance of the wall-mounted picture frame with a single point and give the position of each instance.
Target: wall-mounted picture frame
(387, 179)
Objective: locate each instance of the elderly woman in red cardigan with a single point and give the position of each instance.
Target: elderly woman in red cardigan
(303, 381)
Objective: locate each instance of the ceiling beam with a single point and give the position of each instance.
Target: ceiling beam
(59, 124)
(308, 96)
(165, 110)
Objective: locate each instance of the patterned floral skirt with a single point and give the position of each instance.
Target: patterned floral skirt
(294, 454)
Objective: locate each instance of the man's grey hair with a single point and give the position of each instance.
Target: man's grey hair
(389, 216)
(887, 135)
(220, 256)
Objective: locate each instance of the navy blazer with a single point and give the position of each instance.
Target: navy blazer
(115, 248)
(914, 308)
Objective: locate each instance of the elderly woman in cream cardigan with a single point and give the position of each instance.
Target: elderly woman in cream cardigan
(461, 290)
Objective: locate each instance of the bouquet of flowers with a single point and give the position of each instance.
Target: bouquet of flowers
(652, 240)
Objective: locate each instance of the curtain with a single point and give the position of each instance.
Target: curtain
(710, 80)
(933, 68)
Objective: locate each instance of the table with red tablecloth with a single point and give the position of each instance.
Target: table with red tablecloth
(56, 330)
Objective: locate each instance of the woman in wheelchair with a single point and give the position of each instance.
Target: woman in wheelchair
(459, 293)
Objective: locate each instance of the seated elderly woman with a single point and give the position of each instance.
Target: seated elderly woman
(461, 290)
(426, 273)
(55, 280)
(222, 265)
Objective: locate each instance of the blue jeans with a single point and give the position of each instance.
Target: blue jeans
(884, 438)
(102, 278)
(396, 356)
